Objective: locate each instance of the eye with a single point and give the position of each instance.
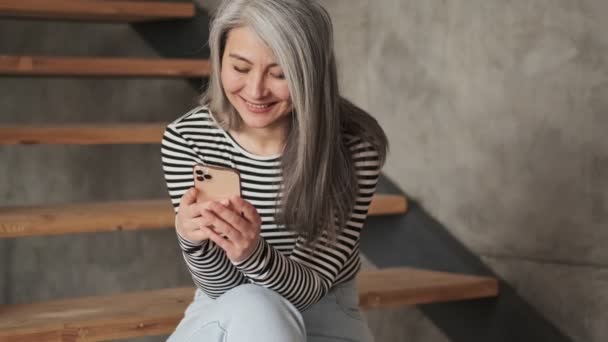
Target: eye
(242, 71)
(280, 76)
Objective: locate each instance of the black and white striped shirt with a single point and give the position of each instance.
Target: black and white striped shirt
(280, 261)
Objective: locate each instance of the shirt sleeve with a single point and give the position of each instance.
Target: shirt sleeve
(208, 265)
(306, 276)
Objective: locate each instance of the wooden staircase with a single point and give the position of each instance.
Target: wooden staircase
(158, 312)
(155, 312)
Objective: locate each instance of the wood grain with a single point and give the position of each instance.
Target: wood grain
(394, 287)
(388, 205)
(83, 134)
(157, 312)
(118, 215)
(94, 10)
(95, 318)
(85, 218)
(102, 66)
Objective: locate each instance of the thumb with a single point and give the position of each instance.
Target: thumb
(189, 197)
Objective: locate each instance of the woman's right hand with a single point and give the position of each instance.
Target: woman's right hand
(191, 218)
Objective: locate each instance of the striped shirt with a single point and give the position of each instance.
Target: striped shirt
(280, 261)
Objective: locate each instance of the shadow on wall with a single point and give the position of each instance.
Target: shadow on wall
(418, 240)
(179, 39)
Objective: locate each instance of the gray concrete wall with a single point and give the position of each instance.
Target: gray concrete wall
(497, 112)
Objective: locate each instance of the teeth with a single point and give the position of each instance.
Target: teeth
(257, 106)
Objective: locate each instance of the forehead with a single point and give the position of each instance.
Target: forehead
(246, 43)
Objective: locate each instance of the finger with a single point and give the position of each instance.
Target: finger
(196, 209)
(201, 207)
(187, 201)
(194, 227)
(246, 209)
(188, 197)
(230, 216)
(197, 235)
(226, 202)
(205, 214)
(199, 222)
(224, 244)
(222, 227)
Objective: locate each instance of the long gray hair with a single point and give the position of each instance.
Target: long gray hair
(319, 180)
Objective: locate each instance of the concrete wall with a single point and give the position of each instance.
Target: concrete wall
(496, 112)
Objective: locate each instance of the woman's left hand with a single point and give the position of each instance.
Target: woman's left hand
(239, 222)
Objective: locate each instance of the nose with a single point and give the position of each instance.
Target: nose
(256, 86)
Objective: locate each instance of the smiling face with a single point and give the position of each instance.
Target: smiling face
(253, 81)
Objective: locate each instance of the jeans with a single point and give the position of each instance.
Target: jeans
(253, 313)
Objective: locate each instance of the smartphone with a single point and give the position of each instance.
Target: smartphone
(215, 183)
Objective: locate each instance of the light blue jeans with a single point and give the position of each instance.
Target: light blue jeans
(254, 313)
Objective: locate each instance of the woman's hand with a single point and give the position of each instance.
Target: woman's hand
(192, 217)
(239, 222)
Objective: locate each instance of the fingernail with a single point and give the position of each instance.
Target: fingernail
(225, 202)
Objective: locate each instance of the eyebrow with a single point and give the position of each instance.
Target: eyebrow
(234, 55)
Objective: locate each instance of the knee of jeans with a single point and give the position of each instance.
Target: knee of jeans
(255, 308)
(255, 299)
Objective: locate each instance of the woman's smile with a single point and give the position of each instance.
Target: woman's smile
(258, 108)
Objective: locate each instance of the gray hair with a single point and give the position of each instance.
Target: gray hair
(319, 180)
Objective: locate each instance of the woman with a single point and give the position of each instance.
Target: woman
(279, 263)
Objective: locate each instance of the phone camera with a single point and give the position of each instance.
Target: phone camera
(202, 175)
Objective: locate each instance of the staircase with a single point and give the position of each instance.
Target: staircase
(156, 312)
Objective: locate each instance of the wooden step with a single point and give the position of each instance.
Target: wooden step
(102, 66)
(83, 134)
(387, 205)
(392, 287)
(157, 312)
(95, 10)
(120, 215)
(85, 218)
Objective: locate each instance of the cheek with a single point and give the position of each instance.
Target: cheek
(281, 91)
(230, 81)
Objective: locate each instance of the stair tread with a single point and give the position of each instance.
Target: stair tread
(95, 133)
(20, 221)
(391, 287)
(157, 312)
(107, 10)
(103, 66)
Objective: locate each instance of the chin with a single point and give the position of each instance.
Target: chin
(256, 120)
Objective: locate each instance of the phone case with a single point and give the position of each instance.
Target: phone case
(215, 183)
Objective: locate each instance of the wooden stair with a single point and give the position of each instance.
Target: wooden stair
(157, 312)
(95, 10)
(102, 66)
(83, 134)
(121, 215)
